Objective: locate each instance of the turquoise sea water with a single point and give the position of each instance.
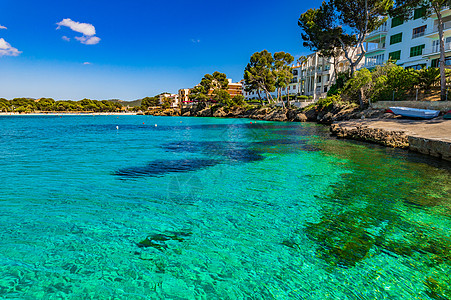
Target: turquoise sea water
(199, 208)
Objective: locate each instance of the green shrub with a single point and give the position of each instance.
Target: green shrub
(238, 100)
(325, 103)
(337, 87)
(392, 82)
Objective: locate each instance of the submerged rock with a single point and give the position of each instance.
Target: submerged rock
(158, 241)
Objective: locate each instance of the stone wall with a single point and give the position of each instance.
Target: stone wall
(437, 148)
(395, 139)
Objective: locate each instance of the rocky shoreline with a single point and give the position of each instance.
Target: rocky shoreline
(323, 116)
(346, 121)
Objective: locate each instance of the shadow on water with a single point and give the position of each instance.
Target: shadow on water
(162, 167)
(369, 213)
(222, 152)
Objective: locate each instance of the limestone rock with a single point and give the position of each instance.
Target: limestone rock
(220, 113)
(206, 112)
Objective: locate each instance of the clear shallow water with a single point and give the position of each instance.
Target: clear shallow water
(199, 208)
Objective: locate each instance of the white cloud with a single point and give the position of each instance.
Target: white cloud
(85, 28)
(7, 50)
(195, 41)
(3, 27)
(87, 63)
(65, 38)
(88, 40)
(88, 31)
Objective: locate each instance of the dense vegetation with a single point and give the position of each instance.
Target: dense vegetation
(26, 105)
(212, 87)
(268, 73)
(386, 82)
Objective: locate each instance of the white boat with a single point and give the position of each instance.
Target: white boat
(415, 112)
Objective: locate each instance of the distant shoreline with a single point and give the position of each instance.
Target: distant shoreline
(69, 113)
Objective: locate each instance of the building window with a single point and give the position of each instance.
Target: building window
(417, 50)
(417, 67)
(419, 13)
(325, 89)
(396, 22)
(436, 62)
(395, 55)
(295, 72)
(319, 79)
(419, 31)
(327, 77)
(397, 38)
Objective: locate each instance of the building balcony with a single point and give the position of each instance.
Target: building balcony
(433, 32)
(374, 49)
(446, 11)
(373, 64)
(436, 50)
(377, 34)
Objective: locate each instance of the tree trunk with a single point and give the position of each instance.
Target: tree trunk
(259, 96)
(288, 97)
(361, 99)
(281, 98)
(442, 54)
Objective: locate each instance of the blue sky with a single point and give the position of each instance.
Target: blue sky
(133, 49)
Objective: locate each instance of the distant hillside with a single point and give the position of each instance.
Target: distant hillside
(133, 103)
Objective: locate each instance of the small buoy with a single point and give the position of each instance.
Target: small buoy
(117, 127)
(156, 125)
(251, 122)
(143, 123)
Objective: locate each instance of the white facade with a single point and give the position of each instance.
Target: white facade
(174, 97)
(413, 44)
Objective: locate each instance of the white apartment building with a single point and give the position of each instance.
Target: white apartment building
(413, 43)
(312, 77)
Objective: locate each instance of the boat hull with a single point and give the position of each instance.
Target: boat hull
(415, 112)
